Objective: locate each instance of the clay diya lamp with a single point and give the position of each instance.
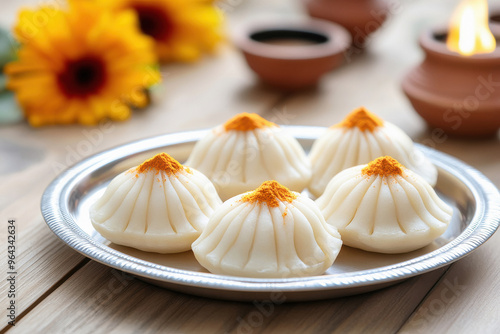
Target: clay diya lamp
(292, 55)
(360, 17)
(458, 92)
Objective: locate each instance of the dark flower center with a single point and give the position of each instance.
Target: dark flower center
(83, 77)
(154, 22)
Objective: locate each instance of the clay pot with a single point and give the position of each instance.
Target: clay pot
(292, 55)
(459, 94)
(360, 17)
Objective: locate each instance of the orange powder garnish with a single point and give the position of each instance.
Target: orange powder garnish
(383, 166)
(247, 122)
(271, 193)
(361, 118)
(161, 162)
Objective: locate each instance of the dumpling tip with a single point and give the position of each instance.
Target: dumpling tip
(271, 193)
(247, 122)
(161, 162)
(361, 118)
(383, 166)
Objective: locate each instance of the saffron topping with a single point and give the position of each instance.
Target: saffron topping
(361, 118)
(383, 166)
(247, 122)
(161, 162)
(271, 193)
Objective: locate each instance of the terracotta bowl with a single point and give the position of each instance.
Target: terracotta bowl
(460, 95)
(360, 17)
(292, 55)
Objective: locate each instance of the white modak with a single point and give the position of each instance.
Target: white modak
(384, 207)
(360, 138)
(271, 232)
(160, 206)
(248, 150)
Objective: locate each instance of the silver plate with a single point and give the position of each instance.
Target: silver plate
(65, 204)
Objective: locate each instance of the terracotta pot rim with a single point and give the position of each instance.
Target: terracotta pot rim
(338, 39)
(432, 45)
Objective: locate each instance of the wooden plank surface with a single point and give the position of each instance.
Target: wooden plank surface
(466, 298)
(57, 296)
(102, 300)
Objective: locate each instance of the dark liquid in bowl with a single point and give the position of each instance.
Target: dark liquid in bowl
(289, 37)
(289, 42)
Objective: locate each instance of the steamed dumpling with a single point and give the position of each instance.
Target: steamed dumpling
(248, 150)
(159, 206)
(384, 207)
(360, 138)
(268, 233)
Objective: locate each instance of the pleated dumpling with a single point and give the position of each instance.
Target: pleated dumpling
(248, 150)
(271, 232)
(384, 207)
(159, 206)
(360, 138)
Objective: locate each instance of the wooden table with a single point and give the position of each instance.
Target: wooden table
(60, 291)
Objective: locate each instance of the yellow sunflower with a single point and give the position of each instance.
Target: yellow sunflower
(182, 29)
(80, 64)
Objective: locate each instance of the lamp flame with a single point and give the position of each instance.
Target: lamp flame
(469, 32)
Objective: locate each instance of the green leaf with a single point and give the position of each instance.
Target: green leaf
(3, 82)
(8, 48)
(10, 112)
(9, 109)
